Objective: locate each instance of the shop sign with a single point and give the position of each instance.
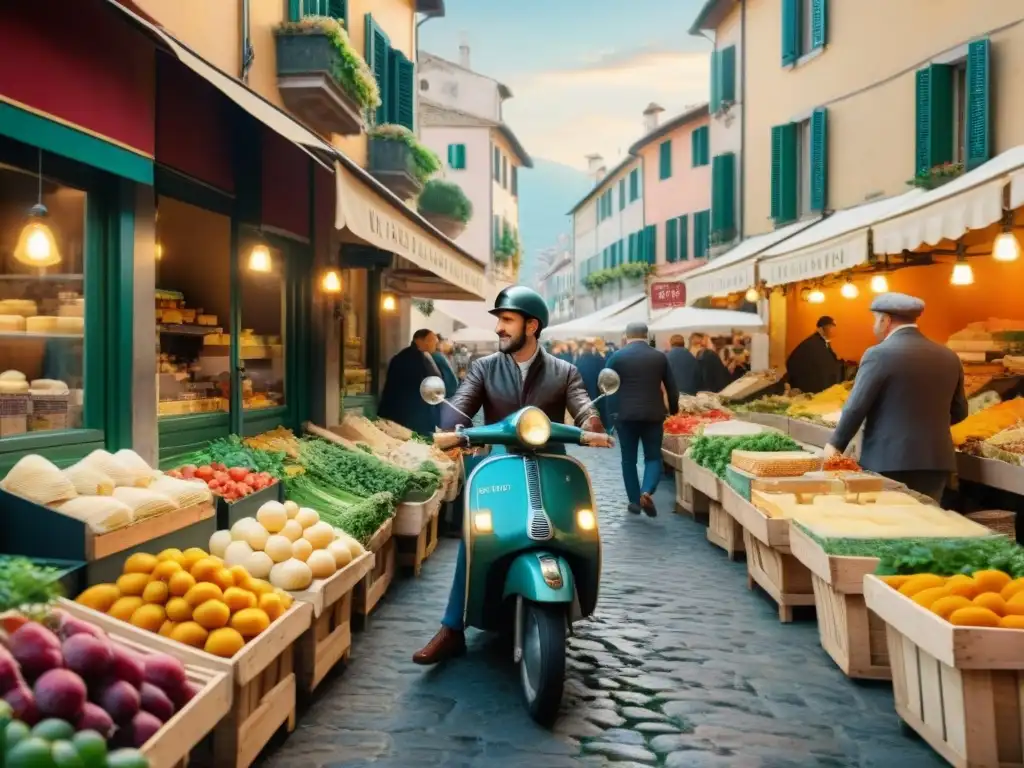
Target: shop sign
(729, 280)
(376, 221)
(821, 260)
(668, 295)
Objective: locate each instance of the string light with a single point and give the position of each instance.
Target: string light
(816, 296)
(331, 282)
(849, 290)
(879, 284)
(1005, 247)
(752, 295)
(388, 303)
(962, 273)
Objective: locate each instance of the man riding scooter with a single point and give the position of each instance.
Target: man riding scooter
(520, 374)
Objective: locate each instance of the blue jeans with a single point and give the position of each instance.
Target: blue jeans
(631, 434)
(454, 613)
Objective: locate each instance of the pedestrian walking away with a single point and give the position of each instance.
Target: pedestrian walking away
(907, 393)
(641, 413)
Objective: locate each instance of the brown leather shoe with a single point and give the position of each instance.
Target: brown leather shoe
(446, 644)
(647, 505)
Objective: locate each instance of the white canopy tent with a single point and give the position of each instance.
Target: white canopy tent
(591, 325)
(696, 320)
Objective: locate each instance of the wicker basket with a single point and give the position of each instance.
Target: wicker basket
(996, 520)
(776, 464)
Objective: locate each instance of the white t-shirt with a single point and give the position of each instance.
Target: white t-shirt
(524, 368)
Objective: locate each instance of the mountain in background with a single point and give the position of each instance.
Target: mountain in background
(546, 192)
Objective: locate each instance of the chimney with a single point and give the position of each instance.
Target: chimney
(464, 50)
(651, 116)
(596, 167)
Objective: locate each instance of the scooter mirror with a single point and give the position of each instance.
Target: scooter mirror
(432, 390)
(608, 382)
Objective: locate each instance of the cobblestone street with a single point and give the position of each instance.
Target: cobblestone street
(681, 666)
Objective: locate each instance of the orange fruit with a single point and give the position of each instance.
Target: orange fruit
(992, 601)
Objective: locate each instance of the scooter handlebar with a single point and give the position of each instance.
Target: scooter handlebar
(597, 440)
(446, 440)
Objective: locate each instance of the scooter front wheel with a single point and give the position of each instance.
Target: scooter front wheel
(542, 666)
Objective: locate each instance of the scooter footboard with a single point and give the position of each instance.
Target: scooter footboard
(541, 577)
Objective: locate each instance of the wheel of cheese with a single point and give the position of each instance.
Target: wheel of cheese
(41, 324)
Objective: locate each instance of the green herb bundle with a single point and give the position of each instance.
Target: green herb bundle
(946, 557)
(714, 452)
(232, 452)
(358, 517)
(23, 582)
(361, 473)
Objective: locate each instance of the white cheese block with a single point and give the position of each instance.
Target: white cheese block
(206, 319)
(13, 387)
(70, 324)
(41, 324)
(12, 376)
(22, 307)
(12, 323)
(172, 316)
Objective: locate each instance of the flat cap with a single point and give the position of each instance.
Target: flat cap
(898, 305)
(636, 331)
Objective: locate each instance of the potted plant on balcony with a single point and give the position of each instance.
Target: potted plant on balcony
(399, 161)
(937, 176)
(445, 205)
(507, 253)
(346, 92)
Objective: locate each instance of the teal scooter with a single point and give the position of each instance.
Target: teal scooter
(533, 551)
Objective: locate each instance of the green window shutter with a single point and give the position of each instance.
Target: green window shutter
(977, 131)
(402, 89)
(819, 160)
(695, 148)
(515, 180)
(723, 202)
(665, 160)
(497, 164)
(294, 10)
(684, 238)
(652, 254)
(337, 9)
(933, 114)
(630, 248)
(706, 146)
(497, 231)
(622, 194)
(701, 233)
(727, 74)
(671, 241)
(784, 165)
(790, 31)
(462, 156)
(377, 48)
(716, 98)
(819, 23)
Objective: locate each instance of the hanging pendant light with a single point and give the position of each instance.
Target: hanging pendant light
(879, 283)
(1005, 247)
(849, 290)
(752, 295)
(962, 273)
(331, 282)
(259, 258)
(388, 302)
(158, 252)
(816, 296)
(37, 247)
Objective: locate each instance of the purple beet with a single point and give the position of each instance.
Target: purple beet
(36, 649)
(143, 727)
(23, 703)
(127, 666)
(121, 701)
(95, 718)
(10, 674)
(90, 657)
(156, 702)
(60, 693)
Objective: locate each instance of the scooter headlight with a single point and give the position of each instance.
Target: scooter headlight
(482, 521)
(585, 520)
(533, 427)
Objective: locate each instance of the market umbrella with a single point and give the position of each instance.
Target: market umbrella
(584, 326)
(708, 320)
(474, 336)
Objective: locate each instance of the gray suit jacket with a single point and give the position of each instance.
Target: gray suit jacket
(907, 393)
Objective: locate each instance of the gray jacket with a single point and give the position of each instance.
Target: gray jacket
(907, 393)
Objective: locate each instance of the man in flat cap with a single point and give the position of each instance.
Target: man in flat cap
(813, 366)
(643, 372)
(907, 393)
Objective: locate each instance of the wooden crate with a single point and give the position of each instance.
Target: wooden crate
(773, 420)
(230, 512)
(960, 688)
(851, 634)
(673, 460)
(724, 531)
(702, 480)
(375, 584)
(263, 679)
(329, 639)
(782, 576)
(771, 531)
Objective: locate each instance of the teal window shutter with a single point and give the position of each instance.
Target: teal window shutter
(294, 10)
(665, 160)
(497, 164)
(723, 203)
(633, 182)
(653, 235)
(716, 97)
(684, 238)
(701, 233)
(977, 131)
(671, 241)
(377, 48)
(631, 248)
(727, 75)
(622, 193)
(790, 31)
(337, 9)
(402, 90)
(457, 156)
(700, 148)
(784, 165)
(695, 148)
(819, 23)
(819, 160)
(461, 156)
(933, 114)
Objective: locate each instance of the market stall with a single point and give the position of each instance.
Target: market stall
(582, 327)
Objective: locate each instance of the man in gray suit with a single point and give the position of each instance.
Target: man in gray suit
(907, 393)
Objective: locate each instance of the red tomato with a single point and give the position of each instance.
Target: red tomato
(250, 480)
(222, 476)
(174, 473)
(238, 473)
(217, 466)
(204, 473)
(189, 471)
(214, 485)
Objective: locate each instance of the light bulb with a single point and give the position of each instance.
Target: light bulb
(816, 296)
(388, 303)
(1005, 247)
(849, 290)
(331, 283)
(158, 252)
(805, 293)
(36, 245)
(752, 295)
(879, 284)
(962, 274)
(259, 259)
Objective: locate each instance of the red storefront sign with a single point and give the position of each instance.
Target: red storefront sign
(668, 295)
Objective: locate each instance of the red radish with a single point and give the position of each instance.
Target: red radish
(60, 693)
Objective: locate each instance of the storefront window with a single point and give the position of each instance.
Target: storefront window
(261, 340)
(193, 309)
(356, 367)
(42, 304)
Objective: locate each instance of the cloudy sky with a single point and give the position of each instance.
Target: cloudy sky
(581, 71)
